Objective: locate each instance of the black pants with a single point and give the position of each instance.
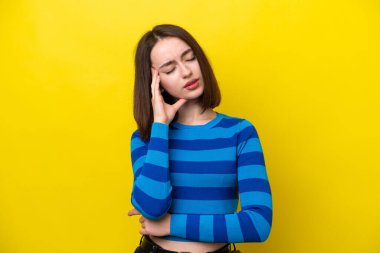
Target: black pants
(139, 250)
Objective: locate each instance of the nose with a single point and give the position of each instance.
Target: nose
(185, 70)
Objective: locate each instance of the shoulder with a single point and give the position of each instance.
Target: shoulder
(243, 128)
(136, 134)
(238, 122)
(136, 139)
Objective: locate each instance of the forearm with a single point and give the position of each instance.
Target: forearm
(151, 193)
(252, 225)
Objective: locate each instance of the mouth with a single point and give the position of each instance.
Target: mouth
(191, 82)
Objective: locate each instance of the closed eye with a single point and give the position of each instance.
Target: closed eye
(192, 59)
(170, 71)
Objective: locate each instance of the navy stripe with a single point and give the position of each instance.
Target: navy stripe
(156, 172)
(171, 127)
(212, 167)
(204, 193)
(265, 211)
(137, 153)
(246, 133)
(254, 184)
(247, 228)
(137, 173)
(220, 229)
(158, 144)
(250, 158)
(227, 123)
(203, 144)
(192, 227)
(136, 134)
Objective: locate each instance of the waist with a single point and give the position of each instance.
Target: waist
(188, 246)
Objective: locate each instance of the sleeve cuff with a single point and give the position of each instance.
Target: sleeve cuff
(159, 130)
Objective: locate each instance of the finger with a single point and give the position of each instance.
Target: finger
(133, 212)
(153, 81)
(141, 220)
(179, 103)
(157, 85)
(143, 232)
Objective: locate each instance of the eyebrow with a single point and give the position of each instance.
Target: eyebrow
(171, 62)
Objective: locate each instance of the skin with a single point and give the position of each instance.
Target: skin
(173, 78)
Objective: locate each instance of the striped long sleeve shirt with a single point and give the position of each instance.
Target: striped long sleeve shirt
(198, 173)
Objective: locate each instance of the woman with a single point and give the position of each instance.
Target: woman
(190, 162)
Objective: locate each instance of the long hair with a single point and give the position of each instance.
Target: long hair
(142, 106)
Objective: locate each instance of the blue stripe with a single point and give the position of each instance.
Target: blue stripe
(252, 171)
(138, 163)
(233, 228)
(178, 225)
(153, 207)
(205, 193)
(254, 184)
(203, 180)
(227, 154)
(256, 198)
(251, 145)
(207, 135)
(155, 189)
(206, 232)
(159, 130)
(137, 174)
(157, 158)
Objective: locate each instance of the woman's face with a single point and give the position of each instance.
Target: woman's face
(177, 65)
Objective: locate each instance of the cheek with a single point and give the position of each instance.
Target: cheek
(168, 83)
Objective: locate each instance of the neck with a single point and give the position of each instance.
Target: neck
(191, 113)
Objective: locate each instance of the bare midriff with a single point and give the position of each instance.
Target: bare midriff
(193, 247)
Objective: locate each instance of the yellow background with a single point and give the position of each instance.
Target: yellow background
(304, 72)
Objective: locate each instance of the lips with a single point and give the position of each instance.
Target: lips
(191, 82)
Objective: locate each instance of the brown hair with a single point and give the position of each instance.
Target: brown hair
(142, 106)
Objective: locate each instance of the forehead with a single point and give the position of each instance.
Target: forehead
(167, 48)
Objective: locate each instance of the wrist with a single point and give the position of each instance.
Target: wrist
(161, 121)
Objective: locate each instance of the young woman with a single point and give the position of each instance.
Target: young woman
(190, 162)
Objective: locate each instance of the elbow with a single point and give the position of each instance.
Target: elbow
(264, 235)
(157, 212)
(266, 227)
(153, 209)
(260, 224)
